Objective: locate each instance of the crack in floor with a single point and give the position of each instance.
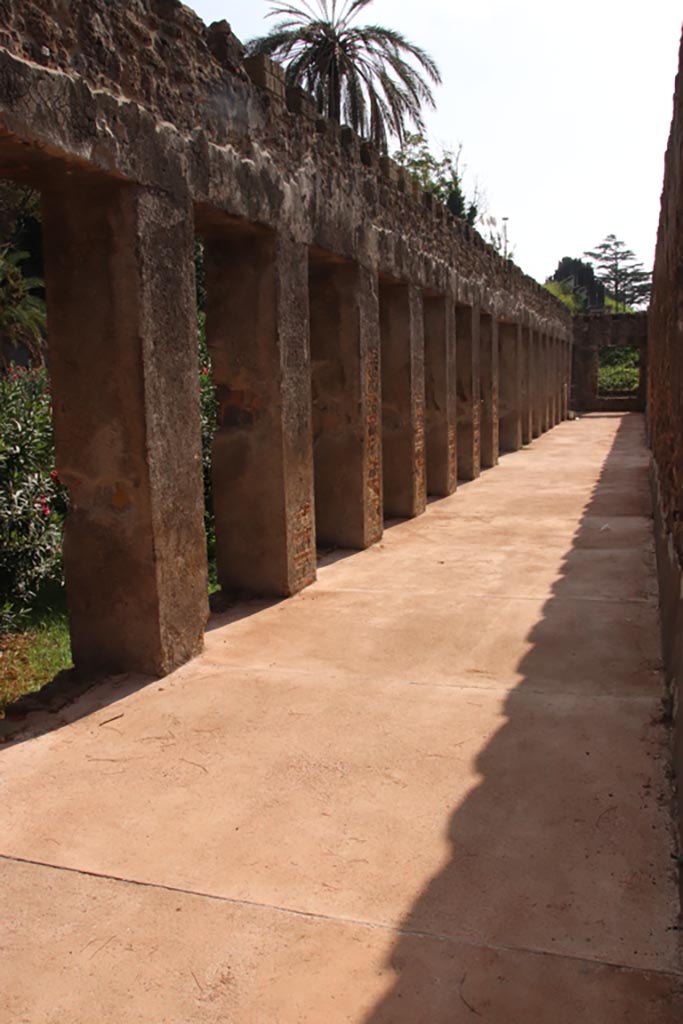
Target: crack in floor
(334, 919)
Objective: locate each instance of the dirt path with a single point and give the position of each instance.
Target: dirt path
(432, 789)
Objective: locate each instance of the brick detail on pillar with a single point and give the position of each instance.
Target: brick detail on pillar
(403, 400)
(441, 396)
(123, 361)
(468, 392)
(345, 360)
(257, 332)
(489, 392)
(527, 398)
(511, 400)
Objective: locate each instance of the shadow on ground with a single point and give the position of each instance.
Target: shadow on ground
(553, 919)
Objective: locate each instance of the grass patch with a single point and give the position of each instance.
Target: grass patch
(32, 658)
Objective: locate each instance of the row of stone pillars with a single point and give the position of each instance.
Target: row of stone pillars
(344, 398)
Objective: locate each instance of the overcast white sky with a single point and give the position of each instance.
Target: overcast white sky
(563, 110)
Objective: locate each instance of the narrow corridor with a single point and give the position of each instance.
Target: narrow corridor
(430, 789)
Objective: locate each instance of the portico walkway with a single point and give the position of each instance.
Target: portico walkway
(430, 789)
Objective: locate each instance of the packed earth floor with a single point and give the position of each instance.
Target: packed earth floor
(431, 789)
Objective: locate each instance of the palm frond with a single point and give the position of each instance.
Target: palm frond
(372, 76)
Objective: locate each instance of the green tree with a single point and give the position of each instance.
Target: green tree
(578, 279)
(441, 177)
(372, 77)
(567, 293)
(626, 280)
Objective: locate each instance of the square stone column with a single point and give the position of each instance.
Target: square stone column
(545, 381)
(345, 366)
(567, 349)
(537, 383)
(558, 381)
(527, 397)
(403, 400)
(552, 370)
(119, 275)
(490, 444)
(511, 372)
(585, 376)
(441, 395)
(257, 330)
(469, 391)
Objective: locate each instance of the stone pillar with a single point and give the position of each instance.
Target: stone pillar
(545, 382)
(345, 348)
(560, 379)
(403, 400)
(511, 403)
(469, 392)
(552, 367)
(489, 391)
(123, 362)
(441, 395)
(585, 376)
(257, 331)
(567, 379)
(536, 383)
(527, 395)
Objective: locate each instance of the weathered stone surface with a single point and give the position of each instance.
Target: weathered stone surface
(665, 416)
(468, 321)
(135, 90)
(403, 400)
(593, 332)
(441, 395)
(143, 95)
(124, 377)
(345, 351)
(257, 332)
(488, 341)
(512, 371)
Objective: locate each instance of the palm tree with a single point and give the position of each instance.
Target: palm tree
(361, 74)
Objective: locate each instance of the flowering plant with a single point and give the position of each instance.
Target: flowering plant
(32, 500)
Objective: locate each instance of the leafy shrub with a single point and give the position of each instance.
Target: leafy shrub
(619, 370)
(22, 311)
(209, 412)
(32, 500)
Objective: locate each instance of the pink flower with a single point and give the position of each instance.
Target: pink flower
(54, 474)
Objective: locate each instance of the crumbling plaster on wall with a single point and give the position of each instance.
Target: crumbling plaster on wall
(135, 91)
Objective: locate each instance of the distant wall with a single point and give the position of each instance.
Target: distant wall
(594, 332)
(665, 406)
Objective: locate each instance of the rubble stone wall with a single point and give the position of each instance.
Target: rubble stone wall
(665, 416)
(593, 332)
(142, 128)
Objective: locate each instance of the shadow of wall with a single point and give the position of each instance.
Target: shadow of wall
(558, 865)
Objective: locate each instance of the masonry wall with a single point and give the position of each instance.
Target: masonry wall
(665, 416)
(596, 331)
(338, 295)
